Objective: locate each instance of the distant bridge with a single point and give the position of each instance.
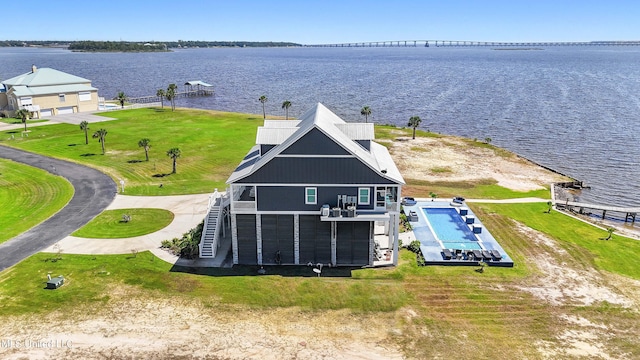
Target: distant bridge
(462, 43)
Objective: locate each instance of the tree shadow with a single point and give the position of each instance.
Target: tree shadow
(134, 161)
(72, 145)
(160, 175)
(87, 154)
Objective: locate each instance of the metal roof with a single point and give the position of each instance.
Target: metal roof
(358, 131)
(321, 118)
(273, 136)
(197, 82)
(281, 123)
(45, 77)
(45, 90)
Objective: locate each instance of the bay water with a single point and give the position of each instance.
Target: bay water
(573, 109)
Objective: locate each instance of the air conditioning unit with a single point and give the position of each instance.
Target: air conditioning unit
(324, 211)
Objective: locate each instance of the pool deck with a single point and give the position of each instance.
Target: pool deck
(431, 248)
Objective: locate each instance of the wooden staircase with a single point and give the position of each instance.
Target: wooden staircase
(213, 222)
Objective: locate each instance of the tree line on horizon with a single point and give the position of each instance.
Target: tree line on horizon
(89, 45)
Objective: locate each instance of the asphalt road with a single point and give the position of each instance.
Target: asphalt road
(94, 191)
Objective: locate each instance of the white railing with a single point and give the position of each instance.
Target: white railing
(212, 201)
(240, 206)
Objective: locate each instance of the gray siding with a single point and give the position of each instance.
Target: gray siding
(315, 143)
(285, 170)
(292, 198)
(315, 240)
(277, 235)
(365, 144)
(352, 244)
(265, 148)
(247, 240)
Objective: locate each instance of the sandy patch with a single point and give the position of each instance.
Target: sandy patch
(452, 159)
(566, 284)
(162, 328)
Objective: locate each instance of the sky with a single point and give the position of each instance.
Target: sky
(321, 22)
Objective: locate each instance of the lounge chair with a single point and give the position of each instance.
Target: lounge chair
(496, 255)
(486, 255)
(477, 254)
(446, 254)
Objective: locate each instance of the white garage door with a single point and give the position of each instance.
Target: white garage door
(45, 112)
(65, 110)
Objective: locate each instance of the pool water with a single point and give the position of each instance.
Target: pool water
(450, 229)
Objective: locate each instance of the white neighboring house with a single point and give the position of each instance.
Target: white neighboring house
(47, 92)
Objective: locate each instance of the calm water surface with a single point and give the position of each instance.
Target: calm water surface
(573, 109)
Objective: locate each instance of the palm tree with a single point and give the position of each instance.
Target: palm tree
(414, 121)
(174, 153)
(100, 135)
(121, 97)
(366, 111)
(84, 126)
(160, 93)
(173, 90)
(170, 95)
(286, 105)
(263, 99)
(146, 144)
(24, 115)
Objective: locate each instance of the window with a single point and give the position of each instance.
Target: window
(26, 101)
(84, 96)
(61, 97)
(363, 196)
(310, 196)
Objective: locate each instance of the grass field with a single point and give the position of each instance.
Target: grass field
(110, 224)
(28, 196)
(212, 145)
(439, 311)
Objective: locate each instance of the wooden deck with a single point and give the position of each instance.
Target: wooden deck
(584, 208)
(181, 94)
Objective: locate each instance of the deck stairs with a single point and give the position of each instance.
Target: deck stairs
(213, 223)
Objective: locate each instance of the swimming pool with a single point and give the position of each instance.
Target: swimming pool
(450, 229)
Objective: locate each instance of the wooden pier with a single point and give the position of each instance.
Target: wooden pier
(192, 89)
(629, 213)
(463, 43)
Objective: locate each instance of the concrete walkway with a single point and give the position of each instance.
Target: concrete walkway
(189, 211)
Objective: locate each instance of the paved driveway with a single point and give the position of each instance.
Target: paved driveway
(94, 191)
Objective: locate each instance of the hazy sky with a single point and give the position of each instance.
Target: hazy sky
(326, 21)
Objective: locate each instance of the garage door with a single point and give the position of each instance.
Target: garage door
(247, 243)
(352, 243)
(65, 110)
(46, 112)
(315, 240)
(277, 239)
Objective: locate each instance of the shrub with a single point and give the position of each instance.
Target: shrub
(414, 247)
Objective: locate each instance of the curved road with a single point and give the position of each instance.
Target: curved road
(94, 191)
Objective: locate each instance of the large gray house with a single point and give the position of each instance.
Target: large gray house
(315, 190)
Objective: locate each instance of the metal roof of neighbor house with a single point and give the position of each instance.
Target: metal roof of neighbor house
(46, 90)
(321, 118)
(45, 77)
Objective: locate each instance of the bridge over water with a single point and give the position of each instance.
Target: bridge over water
(463, 43)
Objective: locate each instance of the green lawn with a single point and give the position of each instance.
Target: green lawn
(110, 224)
(581, 239)
(486, 189)
(212, 145)
(28, 196)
